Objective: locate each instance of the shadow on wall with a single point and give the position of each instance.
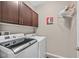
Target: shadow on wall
(68, 22)
(68, 13)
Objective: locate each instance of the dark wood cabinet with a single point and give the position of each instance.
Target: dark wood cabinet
(0, 11)
(25, 14)
(17, 12)
(34, 19)
(10, 12)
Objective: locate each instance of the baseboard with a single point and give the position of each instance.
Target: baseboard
(50, 55)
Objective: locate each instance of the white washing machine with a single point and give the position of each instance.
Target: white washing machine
(18, 46)
(42, 45)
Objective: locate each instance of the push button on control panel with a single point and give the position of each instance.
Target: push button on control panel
(7, 37)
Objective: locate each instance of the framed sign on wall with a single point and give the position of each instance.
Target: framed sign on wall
(49, 20)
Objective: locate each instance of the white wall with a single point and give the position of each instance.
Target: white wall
(78, 29)
(78, 24)
(61, 40)
(13, 28)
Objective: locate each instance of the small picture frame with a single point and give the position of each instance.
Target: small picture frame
(49, 20)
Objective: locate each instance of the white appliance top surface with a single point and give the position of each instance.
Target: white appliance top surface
(38, 38)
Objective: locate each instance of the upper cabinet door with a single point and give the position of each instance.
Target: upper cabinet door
(0, 11)
(10, 12)
(34, 19)
(25, 15)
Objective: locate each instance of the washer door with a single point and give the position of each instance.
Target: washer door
(30, 52)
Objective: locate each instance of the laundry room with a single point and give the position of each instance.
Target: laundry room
(39, 29)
